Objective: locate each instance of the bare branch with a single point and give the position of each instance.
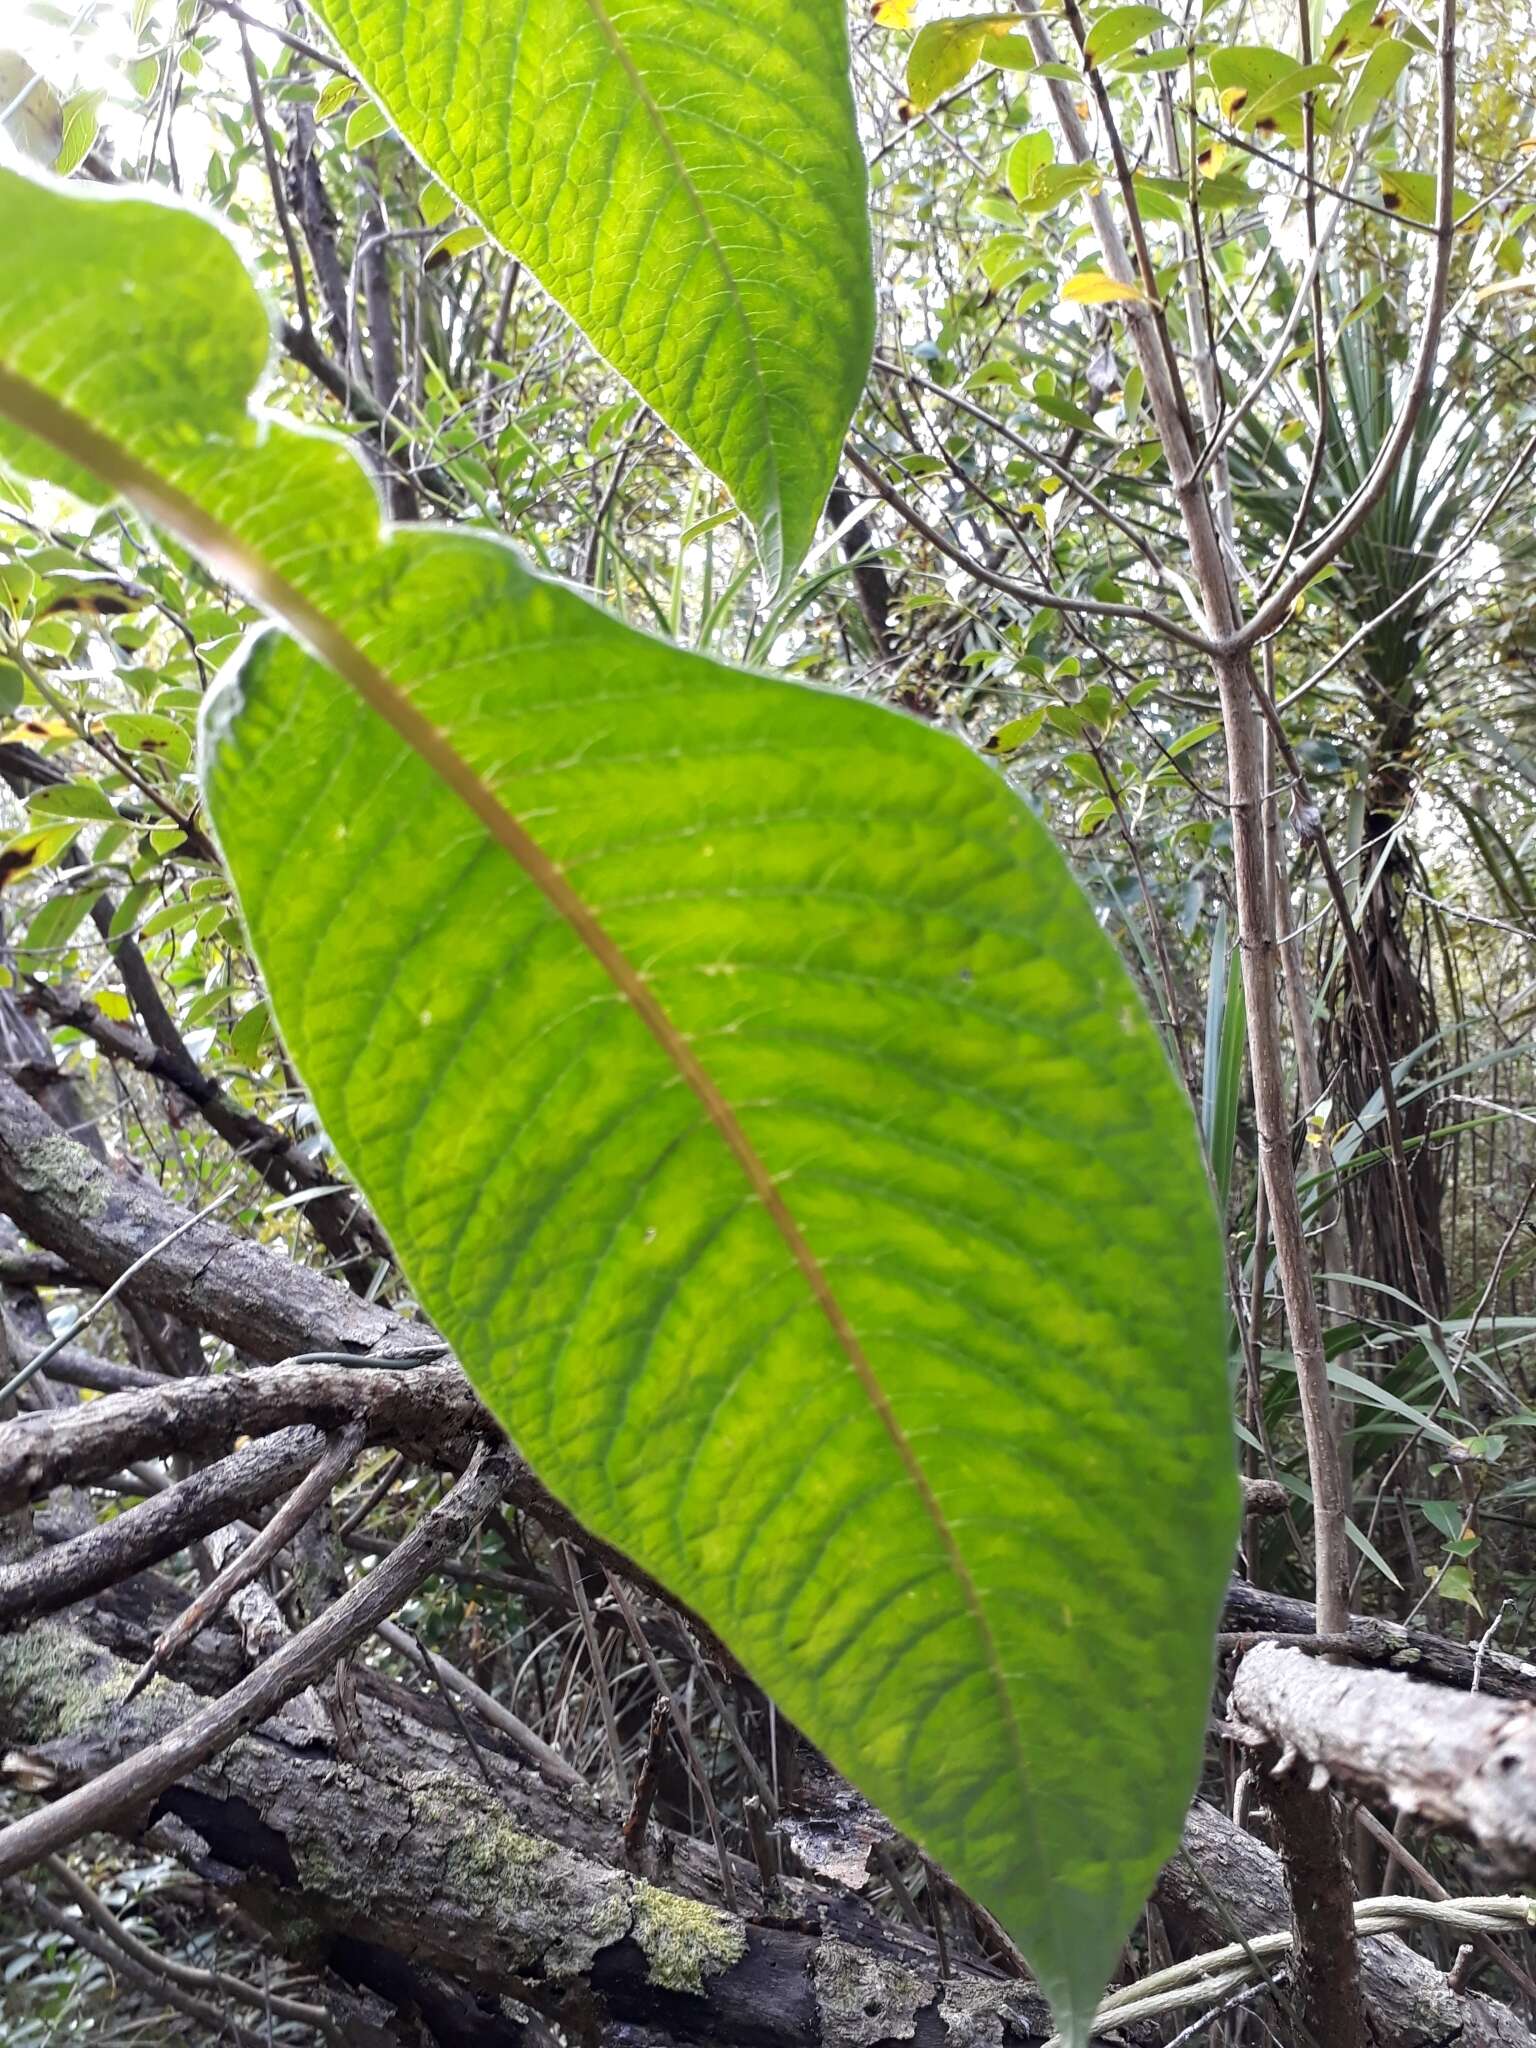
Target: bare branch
(112, 1550)
(294, 1667)
(1465, 1762)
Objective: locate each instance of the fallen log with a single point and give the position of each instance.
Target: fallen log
(402, 1865)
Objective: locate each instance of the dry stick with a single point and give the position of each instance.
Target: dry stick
(599, 1669)
(187, 1975)
(733, 1733)
(1461, 1759)
(111, 1551)
(685, 1734)
(381, 1485)
(244, 1566)
(552, 1765)
(139, 1780)
(432, 1410)
(467, 1734)
(645, 1785)
(336, 1212)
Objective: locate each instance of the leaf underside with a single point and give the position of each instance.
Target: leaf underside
(686, 180)
(894, 1344)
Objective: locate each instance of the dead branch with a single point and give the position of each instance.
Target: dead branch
(336, 1213)
(63, 1197)
(196, 1506)
(284, 1674)
(431, 1411)
(314, 1488)
(1373, 1640)
(1465, 1763)
(414, 1879)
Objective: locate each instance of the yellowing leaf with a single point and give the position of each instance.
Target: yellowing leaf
(334, 95)
(1506, 285)
(1413, 194)
(945, 53)
(892, 13)
(32, 732)
(35, 849)
(1094, 288)
(457, 242)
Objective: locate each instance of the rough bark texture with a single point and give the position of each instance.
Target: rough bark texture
(1226, 1885)
(290, 1670)
(60, 1195)
(1464, 1763)
(405, 1871)
(1388, 1643)
(431, 1411)
(205, 1501)
(1330, 2003)
(527, 1897)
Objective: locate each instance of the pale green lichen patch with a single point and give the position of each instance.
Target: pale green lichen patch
(683, 1940)
(53, 1682)
(862, 1997)
(556, 1907)
(60, 1166)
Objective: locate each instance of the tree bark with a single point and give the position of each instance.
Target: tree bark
(1374, 1640)
(415, 1879)
(1225, 1885)
(108, 1551)
(1465, 1763)
(1330, 2003)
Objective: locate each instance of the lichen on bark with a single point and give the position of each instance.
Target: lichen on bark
(59, 1166)
(684, 1941)
(862, 1998)
(53, 1682)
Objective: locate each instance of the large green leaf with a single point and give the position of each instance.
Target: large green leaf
(751, 1095)
(685, 177)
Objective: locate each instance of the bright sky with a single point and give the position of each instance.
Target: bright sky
(85, 53)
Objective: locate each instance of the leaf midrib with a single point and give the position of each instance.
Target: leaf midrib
(695, 198)
(657, 119)
(38, 412)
